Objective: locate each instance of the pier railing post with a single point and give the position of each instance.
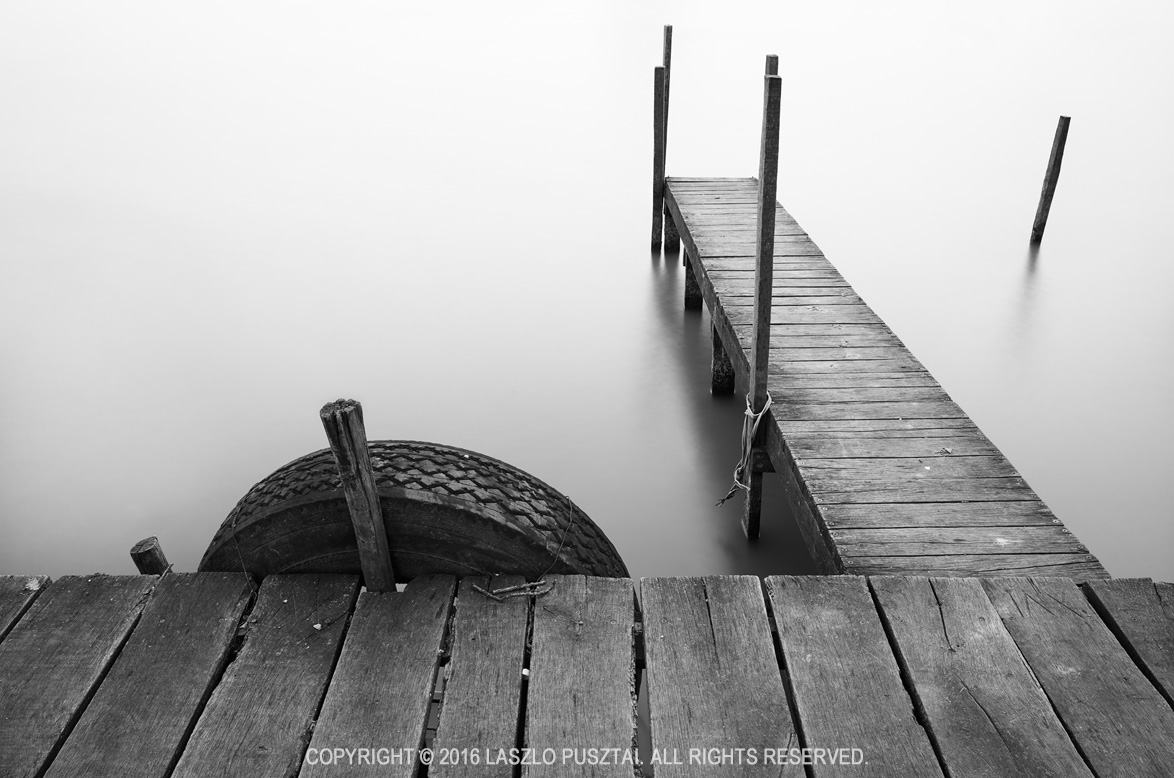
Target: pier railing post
(1050, 177)
(768, 168)
(343, 421)
(657, 155)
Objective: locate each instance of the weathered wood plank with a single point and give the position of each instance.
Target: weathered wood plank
(940, 515)
(844, 678)
(53, 658)
(906, 364)
(940, 443)
(789, 282)
(17, 593)
(260, 716)
(860, 394)
(806, 513)
(582, 676)
(483, 687)
(881, 427)
(381, 690)
(926, 467)
(1118, 719)
(937, 541)
(909, 409)
(982, 706)
(1080, 567)
(1141, 615)
(713, 679)
(830, 490)
(790, 381)
(139, 718)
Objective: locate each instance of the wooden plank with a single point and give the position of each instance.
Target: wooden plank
(981, 704)
(53, 659)
(483, 686)
(937, 541)
(582, 678)
(139, 718)
(259, 718)
(882, 427)
(844, 678)
(908, 409)
(17, 593)
(713, 679)
(343, 422)
(381, 690)
(929, 466)
(1119, 721)
(940, 515)
(941, 442)
(1141, 615)
(1080, 567)
(849, 366)
(828, 491)
(862, 394)
(793, 382)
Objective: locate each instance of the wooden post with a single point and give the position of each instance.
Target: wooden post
(768, 169)
(672, 238)
(657, 155)
(1050, 178)
(722, 370)
(148, 557)
(693, 298)
(343, 421)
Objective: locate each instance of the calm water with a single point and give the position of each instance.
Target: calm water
(215, 219)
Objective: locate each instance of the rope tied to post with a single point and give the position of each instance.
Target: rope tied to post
(750, 422)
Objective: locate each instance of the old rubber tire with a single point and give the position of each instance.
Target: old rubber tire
(446, 510)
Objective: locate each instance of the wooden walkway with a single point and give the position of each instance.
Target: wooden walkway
(886, 474)
(198, 675)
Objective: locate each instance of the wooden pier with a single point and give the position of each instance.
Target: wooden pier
(884, 472)
(201, 674)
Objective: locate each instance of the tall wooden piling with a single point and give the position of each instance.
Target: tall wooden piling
(1050, 177)
(343, 421)
(657, 155)
(672, 239)
(768, 168)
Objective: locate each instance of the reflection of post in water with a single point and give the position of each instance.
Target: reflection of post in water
(1050, 178)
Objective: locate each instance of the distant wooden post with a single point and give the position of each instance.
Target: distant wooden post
(1050, 178)
(768, 170)
(343, 421)
(148, 557)
(672, 238)
(657, 155)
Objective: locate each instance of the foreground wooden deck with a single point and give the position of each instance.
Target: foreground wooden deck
(198, 675)
(886, 473)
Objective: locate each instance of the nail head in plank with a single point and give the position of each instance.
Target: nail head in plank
(582, 674)
(483, 690)
(381, 690)
(259, 718)
(844, 678)
(713, 678)
(139, 718)
(1119, 721)
(53, 659)
(1141, 614)
(981, 704)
